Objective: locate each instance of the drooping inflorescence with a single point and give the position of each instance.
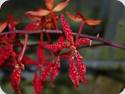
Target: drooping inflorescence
(13, 50)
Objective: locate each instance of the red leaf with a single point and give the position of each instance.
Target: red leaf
(39, 13)
(80, 18)
(3, 26)
(75, 18)
(61, 6)
(92, 22)
(37, 84)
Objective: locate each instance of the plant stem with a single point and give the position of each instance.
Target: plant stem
(102, 40)
(80, 29)
(24, 48)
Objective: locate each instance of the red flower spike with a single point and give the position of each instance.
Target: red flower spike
(59, 45)
(55, 71)
(16, 77)
(37, 84)
(40, 52)
(42, 59)
(81, 68)
(67, 30)
(73, 74)
(82, 41)
(46, 72)
(68, 33)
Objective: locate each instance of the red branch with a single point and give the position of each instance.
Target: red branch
(102, 40)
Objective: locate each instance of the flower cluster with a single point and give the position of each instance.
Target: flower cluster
(12, 50)
(76, 70)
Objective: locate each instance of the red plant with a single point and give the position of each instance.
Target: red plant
(49, 52)
(51, 20)
(16, 78)
(50, 8)
(75, 72)
(81, 68)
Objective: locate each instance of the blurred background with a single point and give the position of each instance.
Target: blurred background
(105, 65)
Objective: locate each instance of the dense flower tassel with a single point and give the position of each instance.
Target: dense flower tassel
(49, 53)
(55, 70)
(77, 72)
(59, 45)
(37, 84)
(41, 56)
(46, 72)
(82, 41)
(67, 30)
(16, 77)
(81, 68)
(73, 74)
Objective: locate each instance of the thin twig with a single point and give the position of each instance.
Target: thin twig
(102, 40)
(80, 29)
(24, 48)
(107, 42)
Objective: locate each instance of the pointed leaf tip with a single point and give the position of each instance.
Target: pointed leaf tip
(61, 6)
(3, 26)
(39, 13)
(74, 18)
